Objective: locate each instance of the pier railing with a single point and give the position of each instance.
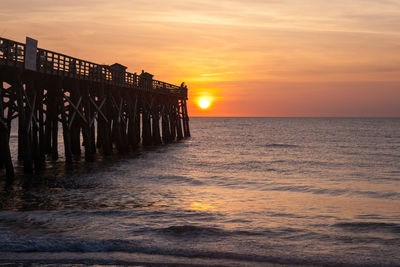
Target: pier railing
(12, 53)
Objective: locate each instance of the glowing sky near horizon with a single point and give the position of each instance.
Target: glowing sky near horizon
(249, 58)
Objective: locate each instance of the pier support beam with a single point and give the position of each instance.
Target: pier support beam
(124, 123)
(24, 140)
(103, 136)
(51, 129)
(119, 123)
(137, 124)
(172, 122)
(165, 127)
(77, 117)
(31, 107)
(5, 155)
(132, 122)
(146, 129)
(41, 122)
(146, 124)
(185, 117)
(155, 117)
(179, 133)
(87, 128)
(65, 119)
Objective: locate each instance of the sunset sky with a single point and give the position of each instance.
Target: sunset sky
(250, 58)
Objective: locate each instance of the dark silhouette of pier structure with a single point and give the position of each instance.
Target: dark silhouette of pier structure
(105, 105)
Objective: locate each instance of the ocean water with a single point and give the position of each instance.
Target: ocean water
(239, 192)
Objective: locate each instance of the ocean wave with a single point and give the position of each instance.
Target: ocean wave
(385, 154)
(60, 244)
(69, 244)
(369, 227)
(281, 145)
(336, 191)
(298, 216)
(195, 231)
(167, 179)
(378, 217)
(192, 230)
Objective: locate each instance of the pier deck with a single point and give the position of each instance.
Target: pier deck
(104, 106)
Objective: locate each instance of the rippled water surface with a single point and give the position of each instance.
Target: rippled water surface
(241, 191)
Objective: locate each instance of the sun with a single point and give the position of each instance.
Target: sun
(204, 103)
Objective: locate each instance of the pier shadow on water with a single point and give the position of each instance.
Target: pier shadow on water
(37, 191)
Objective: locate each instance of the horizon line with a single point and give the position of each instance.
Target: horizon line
(304, 117)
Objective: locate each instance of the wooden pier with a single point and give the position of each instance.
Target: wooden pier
(105, 105)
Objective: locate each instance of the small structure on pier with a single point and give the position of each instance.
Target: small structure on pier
(45, 88)
(118, 72)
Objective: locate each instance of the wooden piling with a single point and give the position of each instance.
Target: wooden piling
(185, 119)
(118, 124)
(31, 106)
(172, 122)
(3, 126)
(132, 125)
(165, 127)
(24, 141)
(146, 122)
(182, 112)
(48, 120)
(41, 122)
(107, 109)
(178, 122)
(21, 119)
(76, 118)
(124, 123)
(61, 94)
(156, 125)
(103, 138)
(51, 123)
(146, 128)
(87, 126)
(5, 155)
(137, 124)
(92, 115)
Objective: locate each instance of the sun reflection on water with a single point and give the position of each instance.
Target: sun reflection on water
(198, 206)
